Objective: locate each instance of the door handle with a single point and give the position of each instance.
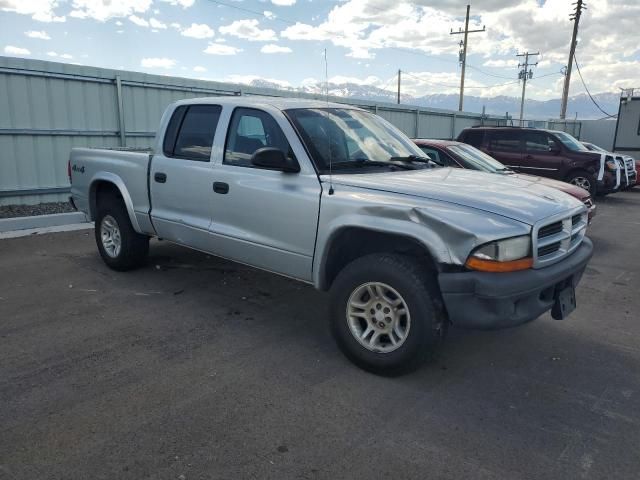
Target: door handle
(528, 157)
(221, 187)
(160, 177)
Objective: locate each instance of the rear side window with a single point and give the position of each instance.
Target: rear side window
(433, 154)
(190, 132)
(507, 141)
(474, 137)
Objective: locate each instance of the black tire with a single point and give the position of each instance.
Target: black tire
(134, 247)
(417, 288)
(578, 177)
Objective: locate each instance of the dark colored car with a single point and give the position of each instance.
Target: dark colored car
(449, 153)
(547, 153)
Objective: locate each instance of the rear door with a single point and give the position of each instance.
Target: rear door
(505, 146)
(181, 177)
(263, 217)
(541, 154)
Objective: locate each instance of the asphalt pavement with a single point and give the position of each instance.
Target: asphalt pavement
(197, 368)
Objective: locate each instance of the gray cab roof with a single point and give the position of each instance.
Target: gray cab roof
(280, 103)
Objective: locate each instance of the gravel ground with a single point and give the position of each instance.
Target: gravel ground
(12, 211)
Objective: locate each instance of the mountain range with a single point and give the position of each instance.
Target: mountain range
(580, 104)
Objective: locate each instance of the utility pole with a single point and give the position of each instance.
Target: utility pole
(399, 75)
(525, 74)
(575, 16)
(463, 52)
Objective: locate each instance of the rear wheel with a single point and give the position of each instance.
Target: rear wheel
(385, 313)
(120, 246)
(583, 179)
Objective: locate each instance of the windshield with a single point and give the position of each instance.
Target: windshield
(352, 138)
(476, 159)
(570, 142)
(594, 148)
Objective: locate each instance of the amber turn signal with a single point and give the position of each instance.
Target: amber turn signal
(494, 266)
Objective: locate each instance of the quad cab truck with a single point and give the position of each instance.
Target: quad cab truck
(337, 197)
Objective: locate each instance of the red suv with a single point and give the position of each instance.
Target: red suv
(547, 153)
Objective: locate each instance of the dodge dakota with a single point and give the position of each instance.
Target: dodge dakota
(336, 197)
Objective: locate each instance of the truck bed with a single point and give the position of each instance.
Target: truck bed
(88, 165)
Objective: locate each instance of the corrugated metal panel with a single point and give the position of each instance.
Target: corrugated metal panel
(47, 108)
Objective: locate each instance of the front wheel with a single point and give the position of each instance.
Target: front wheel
(385, 313)
(584, 180)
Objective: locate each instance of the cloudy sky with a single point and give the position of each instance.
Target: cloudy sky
(367, 41)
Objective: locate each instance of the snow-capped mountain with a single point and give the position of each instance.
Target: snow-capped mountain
(500, 105)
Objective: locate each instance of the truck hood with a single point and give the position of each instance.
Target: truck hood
(516, 198)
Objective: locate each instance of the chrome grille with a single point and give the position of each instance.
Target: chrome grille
(558, 236)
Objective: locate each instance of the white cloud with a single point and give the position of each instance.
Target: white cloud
(283, 3)
(198, 30)
(11, 50)
(157, 63)
(219, 49)
(42, 35)
(198, 68)
(66, 56)
(157, 23)
(268, 14)
(248, 30)
(119, 23)
(40, 10)
(141, 22)
(272, 48)
(182, 3)
(103, 10)
(501, 63)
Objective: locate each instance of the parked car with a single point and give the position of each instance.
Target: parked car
(337, 197)
(547, 153)
(629, 170)
(449, 153)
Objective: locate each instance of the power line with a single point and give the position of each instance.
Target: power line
(587, 90)
(455, 86)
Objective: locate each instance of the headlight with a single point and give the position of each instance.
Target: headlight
(611, 165)
(506, 255)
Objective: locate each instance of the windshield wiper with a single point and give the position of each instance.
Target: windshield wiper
(412, 158)
(363, 163)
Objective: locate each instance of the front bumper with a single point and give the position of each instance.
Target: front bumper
(498, 300)
(610, 183)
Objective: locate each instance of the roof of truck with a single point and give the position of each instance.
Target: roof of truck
(281, 103)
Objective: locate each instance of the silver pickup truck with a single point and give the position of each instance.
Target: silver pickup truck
(337, 197)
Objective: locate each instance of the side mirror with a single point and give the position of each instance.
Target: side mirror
(554, 149)
(274, 159)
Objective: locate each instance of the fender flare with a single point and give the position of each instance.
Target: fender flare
(119, 184)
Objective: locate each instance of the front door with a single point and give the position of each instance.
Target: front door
(263, 217)
(540, 155)
(181, 177)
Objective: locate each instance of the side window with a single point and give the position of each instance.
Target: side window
(537, 141)
(190, 132)
(434, 155)
(474, 137)
(507, 141)
(250, 130)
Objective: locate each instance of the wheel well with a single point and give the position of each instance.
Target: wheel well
(573, 171)
(100, 190)
(354, 242)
